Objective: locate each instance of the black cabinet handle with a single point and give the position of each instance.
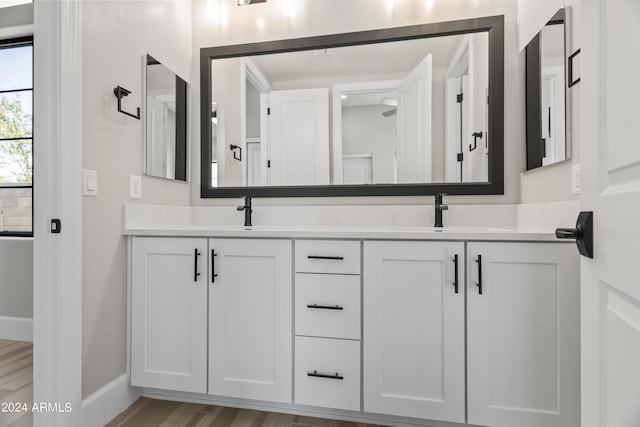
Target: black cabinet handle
(335, 376)
(213, 266)
(338, 258)
(479, 284)
(455, 272)
(325, 307)
(196, 254)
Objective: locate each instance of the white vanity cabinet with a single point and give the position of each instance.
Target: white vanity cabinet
(523, 360)
(413, 339)
(169, 313)
(250, 319)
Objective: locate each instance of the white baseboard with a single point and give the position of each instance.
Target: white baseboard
(106, 403)
(16, 328)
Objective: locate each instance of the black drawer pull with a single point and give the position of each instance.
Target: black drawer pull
(337, 376)
(325, 307)
(196, 254)
(337, 258)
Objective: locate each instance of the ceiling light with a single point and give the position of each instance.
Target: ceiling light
(343, 96)
(246, 2)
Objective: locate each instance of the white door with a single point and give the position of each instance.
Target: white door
(253, 162)
(299, 137)
(250, 319)
(413, 149)
(610, 155)
(156, 146)
(169, 313)
(413, 331)
(523, 335)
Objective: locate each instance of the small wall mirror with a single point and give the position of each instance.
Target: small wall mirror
(166, 122)
(546, 97)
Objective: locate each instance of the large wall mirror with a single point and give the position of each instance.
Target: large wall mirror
(166, 122)
(546, 95)
(402, 111)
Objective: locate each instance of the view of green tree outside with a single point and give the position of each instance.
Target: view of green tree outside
(16, 137)
(16, 165)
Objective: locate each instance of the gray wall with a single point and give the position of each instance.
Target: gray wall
(366, 130)
(309, 18)
(16, 277)
(115, 37)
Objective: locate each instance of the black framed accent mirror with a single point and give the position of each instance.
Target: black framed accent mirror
(546, 95)
(402, 111)
(165, 121)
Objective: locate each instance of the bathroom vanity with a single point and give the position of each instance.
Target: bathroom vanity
(389, 325)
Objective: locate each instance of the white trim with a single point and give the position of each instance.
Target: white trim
(57, 273)
(109, 401)
(16, 328)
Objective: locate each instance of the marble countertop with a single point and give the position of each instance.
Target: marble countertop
(354, 232)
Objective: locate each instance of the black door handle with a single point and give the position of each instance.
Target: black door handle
(583, 234)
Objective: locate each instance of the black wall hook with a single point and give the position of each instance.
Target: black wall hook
(235, 147)
(121, 92)
(475, 136)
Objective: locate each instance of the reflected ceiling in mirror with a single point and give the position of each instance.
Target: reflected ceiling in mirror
(356, 114)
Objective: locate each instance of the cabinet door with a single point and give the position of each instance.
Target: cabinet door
(523, 335)
(250, 319)
(169, 313)
(414, 330)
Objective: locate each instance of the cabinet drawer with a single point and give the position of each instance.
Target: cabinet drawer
(327, 373)
(328, 256)
(328, 305)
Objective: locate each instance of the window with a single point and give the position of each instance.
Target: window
(16, 136)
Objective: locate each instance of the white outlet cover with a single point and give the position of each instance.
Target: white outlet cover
(135, 187)
(89, 183)
(576, 186)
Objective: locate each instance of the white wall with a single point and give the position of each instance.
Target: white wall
(115, 37)
(217, 22)
(533, 15)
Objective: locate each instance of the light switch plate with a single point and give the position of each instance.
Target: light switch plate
(135, 187)
(575, 179)
(89, 183)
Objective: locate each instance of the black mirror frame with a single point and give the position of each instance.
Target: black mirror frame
(533, 73)
(494, 25)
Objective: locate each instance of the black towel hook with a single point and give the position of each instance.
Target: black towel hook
(121, 92)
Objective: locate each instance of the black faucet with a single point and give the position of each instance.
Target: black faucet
(247, 211)
(439, 208)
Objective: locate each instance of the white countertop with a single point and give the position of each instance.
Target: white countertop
(351, 232)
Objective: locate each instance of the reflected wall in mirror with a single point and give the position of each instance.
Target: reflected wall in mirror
(546, 95)
(165, 122)
(410, 110)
